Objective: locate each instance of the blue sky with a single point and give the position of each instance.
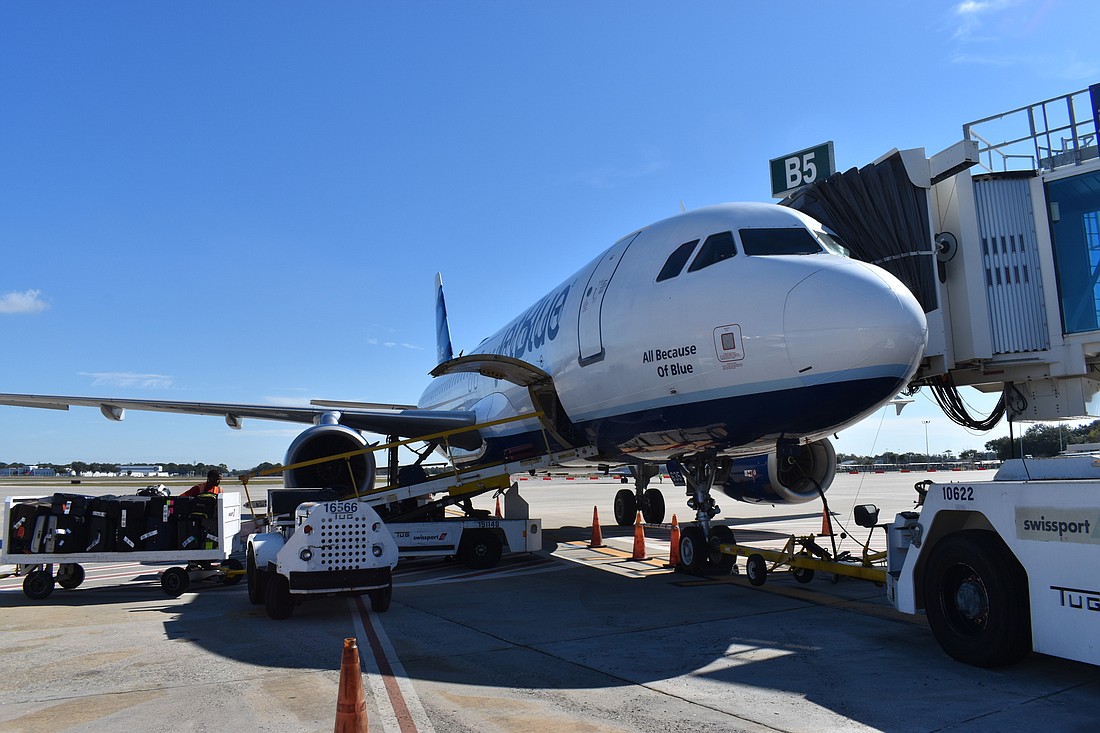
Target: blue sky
(248, 201)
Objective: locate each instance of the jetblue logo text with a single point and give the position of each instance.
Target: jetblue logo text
(535, 327)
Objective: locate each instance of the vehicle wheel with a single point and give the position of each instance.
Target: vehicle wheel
(626, 508)
(38, 584)
(277, 599)
(235, 578)
(653, 506)
(70, 575)
(480, 549)
(257, 579)
(380, 599)
(175, 581)
(803, 575)
(756, 569)
(976, 598)
(693, 550)
(721, 562)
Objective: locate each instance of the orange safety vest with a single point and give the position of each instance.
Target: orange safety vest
(198, 489)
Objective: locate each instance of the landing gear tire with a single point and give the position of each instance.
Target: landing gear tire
(976, 599)
(721, 563)
(70, 575)
(480, 549)
(174, 582)
(256, 578)
(38, 584)
(693, 550)
(380, 599)
(277, 599)
(756, 569)
(626, 507)
(803, 575)
(653, 506)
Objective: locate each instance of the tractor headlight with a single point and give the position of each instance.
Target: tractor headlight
(306, 554)
(377, 550)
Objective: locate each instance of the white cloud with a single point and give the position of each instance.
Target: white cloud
(26, 302)
(129, 379)
(391, 344)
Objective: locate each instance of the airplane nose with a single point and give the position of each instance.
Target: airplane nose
(853, 323)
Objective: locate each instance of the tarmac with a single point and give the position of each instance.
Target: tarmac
(568, 639)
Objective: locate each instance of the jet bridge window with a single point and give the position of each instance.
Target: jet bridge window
(773, 241)
(718, 247)
(676, 261)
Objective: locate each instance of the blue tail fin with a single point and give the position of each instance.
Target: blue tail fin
(442, 330)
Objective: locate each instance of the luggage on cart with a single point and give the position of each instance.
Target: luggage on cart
(68, 530)
(199, 523)
(23, 519)
(130, 525)
(101, 525)
(162, 523)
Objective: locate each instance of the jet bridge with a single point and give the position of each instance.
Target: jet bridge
(998, 237)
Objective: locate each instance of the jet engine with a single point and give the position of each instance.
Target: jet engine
(345, 475)
(791, 474)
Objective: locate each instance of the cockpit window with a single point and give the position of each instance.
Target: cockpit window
(786, 241)
(718, 247)
(833, 243)
(675, 262)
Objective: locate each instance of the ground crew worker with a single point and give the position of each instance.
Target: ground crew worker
(213, 479)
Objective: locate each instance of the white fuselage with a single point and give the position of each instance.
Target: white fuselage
(733, 349)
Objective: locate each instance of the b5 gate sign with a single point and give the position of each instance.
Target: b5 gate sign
(796, 170)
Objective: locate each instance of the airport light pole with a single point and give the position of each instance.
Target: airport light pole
(927, 455)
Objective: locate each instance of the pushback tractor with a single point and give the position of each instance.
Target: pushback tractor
(1005, 567)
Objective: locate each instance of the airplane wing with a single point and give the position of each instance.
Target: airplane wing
(405, 421)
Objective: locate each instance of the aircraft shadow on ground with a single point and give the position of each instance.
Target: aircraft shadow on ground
(579, 627)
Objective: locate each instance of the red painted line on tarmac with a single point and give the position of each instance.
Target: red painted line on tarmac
(397, 701)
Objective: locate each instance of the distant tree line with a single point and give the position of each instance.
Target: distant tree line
(182, 469)
(1041, 440)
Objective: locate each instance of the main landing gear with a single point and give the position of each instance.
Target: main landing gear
(650, 501)
(699, 543)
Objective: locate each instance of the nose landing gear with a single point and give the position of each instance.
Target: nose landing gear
(650, 501)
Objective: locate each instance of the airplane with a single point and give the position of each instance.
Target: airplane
(728, 342)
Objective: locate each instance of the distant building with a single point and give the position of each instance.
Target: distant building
(27, 471)
(141, 471)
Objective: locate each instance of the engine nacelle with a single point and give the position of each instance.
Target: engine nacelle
(790, 475)
(354, 474)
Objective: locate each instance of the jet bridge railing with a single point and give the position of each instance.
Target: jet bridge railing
(1061, 131)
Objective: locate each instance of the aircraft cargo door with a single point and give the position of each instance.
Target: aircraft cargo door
(589, 332)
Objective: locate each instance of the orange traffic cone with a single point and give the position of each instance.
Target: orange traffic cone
(674, 545)
(639, 540)
(826, 524)
(597, 535)
(351, 704)
(499, 515)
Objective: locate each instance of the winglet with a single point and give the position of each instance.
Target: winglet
(442, 330)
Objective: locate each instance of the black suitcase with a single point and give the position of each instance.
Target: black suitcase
(101, 525)
(72, 505)
(198, 523)
(161, 523)
(130, 525)
(22, 517)
(70, 514)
